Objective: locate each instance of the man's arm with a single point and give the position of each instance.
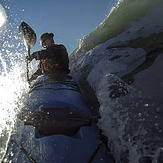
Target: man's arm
(34, 55)
(64, 56)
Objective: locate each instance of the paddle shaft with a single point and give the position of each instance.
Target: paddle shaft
(27, 64)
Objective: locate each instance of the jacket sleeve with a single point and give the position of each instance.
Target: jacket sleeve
(64, 56)
(36, 55)
(33, 56)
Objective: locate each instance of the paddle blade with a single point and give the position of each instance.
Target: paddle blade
(27, 35)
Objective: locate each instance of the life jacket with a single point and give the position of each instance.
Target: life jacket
(50, 65)
(54, 59)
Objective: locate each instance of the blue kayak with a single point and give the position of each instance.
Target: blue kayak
(57, 127)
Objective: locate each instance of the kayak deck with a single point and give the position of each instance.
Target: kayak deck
(28, 144)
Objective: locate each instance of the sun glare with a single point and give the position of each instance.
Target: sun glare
(2, 16)
(2, 19)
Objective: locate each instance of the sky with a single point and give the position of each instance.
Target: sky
(69, 20)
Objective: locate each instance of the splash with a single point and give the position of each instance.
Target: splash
(12, 86)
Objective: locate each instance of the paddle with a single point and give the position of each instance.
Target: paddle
(28, 37)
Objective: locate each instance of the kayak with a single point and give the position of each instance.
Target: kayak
(57, 127)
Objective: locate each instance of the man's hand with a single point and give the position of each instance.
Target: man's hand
(28, 58)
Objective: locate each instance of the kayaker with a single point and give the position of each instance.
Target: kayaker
(54, 61)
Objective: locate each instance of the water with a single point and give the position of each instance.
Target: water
(12, 85)
(134, 123)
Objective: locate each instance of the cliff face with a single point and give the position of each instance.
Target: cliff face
(123, 82)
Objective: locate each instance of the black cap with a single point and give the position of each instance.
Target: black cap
(45, 36)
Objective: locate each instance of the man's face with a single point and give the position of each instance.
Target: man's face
(48, 42)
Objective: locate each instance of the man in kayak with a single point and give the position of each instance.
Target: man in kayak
(54, 61)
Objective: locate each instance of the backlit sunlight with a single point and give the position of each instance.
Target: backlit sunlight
(2, 16)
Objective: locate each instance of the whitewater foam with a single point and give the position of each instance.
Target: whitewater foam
(12, 86)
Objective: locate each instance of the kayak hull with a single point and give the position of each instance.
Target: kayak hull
(84, 145)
